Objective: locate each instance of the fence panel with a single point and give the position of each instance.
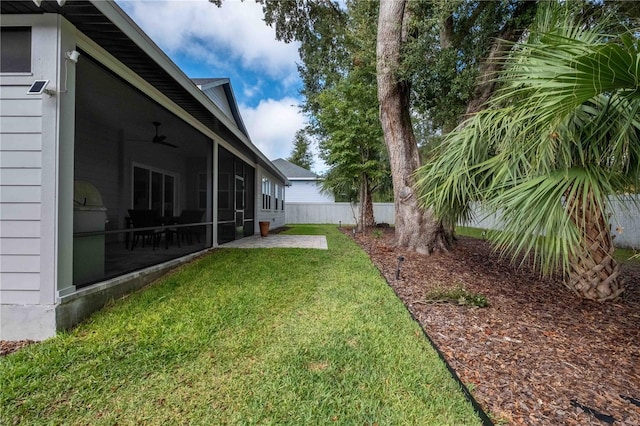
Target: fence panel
(625, 217)
(344, 213)
(625, 221)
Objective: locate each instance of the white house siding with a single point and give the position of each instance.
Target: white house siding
(307, 191)
(276, 218)
(27, 185)
(217, 95)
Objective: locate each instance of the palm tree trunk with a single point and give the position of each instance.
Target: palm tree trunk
(594, 273)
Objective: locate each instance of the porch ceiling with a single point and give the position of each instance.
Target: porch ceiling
(93, 23)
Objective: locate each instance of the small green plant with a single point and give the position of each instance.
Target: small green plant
(457, 295)
(377, 234)
(627, 255)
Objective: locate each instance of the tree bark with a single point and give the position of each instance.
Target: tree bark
(493, 63)
(594, 274)
(416, 229)
(446, 32)
(366, 205)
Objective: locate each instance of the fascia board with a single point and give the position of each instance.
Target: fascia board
(216, 83)
(231, 98)
(120, 18)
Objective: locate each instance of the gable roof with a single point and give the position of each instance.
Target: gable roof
(111, 28)
(207, 84)
(293, 171)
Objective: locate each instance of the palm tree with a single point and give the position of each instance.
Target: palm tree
(560, 137)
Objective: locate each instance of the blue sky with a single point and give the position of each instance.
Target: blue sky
(232, 41)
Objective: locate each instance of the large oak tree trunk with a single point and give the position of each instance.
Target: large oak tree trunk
(416, 229)
(594, 273)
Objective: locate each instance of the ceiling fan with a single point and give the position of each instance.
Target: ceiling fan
(161, 139)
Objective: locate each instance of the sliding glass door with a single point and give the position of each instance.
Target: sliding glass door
(154, 190)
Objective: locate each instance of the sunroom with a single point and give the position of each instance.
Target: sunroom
(129, 169)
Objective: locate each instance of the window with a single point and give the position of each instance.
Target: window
(266, 194)
(279, 192)
(224, 194)
(282, 198)
(154, 190)
(15, 49)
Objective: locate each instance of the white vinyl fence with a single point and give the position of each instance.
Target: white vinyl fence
(624, 220)
(344, 213)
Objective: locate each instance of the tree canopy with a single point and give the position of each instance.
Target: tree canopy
(446, 51)
(301, 154)
(436, 60)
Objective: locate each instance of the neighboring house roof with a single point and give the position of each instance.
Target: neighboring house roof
(112, 29)
(293, 171)
(208, 84)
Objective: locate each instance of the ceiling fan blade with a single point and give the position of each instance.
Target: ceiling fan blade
(163, 142)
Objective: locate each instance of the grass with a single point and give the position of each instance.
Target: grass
(261, 336)
(620, 255)
(467, 231)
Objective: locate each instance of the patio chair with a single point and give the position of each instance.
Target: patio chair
(145, 219)
(170, 232)
(187, 232)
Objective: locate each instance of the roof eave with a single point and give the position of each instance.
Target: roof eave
(131, 30)
(120, 18)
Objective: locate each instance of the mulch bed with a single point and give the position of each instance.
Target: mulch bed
(537, 354)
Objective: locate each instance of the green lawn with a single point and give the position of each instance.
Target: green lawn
(268, 336)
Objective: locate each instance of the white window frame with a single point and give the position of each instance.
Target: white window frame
(282, 198)
(266, 193)
(176, 180)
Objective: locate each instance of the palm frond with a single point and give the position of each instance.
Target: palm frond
(565, 125)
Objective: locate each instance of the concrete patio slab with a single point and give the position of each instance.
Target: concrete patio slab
(280, 241)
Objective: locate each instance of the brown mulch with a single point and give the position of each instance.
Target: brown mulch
(8, 346)
(536, 347)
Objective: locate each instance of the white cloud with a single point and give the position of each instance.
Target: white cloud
(272, 125)
(220, 36)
